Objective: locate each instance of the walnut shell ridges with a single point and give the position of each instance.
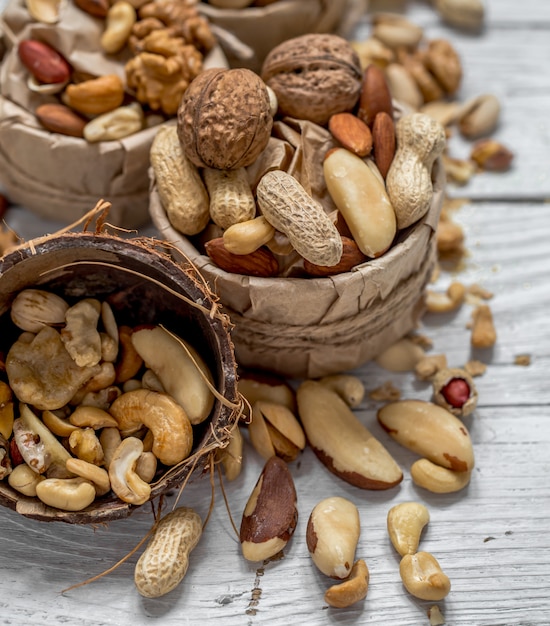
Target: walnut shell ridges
(225, 119)
(314, 76)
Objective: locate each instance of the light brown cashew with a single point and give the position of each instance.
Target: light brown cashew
(146, 466)
(127, 485)
(59, 426)
(171, 428)
(348, 387)
(92, 417)
(405, 523)
(96, 475)
(104, 378)
(110, 439)
(422, 576)
(24, 480)
(68, 494)
(351, 590)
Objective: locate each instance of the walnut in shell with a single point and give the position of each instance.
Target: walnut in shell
(225, 119)
(313, 76)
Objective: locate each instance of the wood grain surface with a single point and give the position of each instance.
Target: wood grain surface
(492, 539)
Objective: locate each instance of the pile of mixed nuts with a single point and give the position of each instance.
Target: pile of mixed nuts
(91, 408)
(161, 45)
(376, 178)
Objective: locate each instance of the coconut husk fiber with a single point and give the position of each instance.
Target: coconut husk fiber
(309, 327)
(143, 285)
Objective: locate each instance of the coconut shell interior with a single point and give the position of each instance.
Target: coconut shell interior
(140, 282)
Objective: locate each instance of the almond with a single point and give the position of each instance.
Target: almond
(375, 95)
(351, 256)
(261, 262)
(383, 137)
(59, 118)
(97, 8)
(351, 132)
(270, 515)
(43, 62)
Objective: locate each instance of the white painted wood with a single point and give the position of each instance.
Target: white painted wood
(492, 539)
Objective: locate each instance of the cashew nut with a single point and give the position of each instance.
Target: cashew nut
(405, 523)
(120, 18)
(6, 410)
(438, 479)
(117, 124)
(422, 576)
(348, 387)
(24, 480)
(92, 417)
(68, 494)
(126, 484)
(171, 428)
(445, 302)
(352, 590)
(231, 457)
(110, 440)
(96, 475)
(146, 466)
(57, 425)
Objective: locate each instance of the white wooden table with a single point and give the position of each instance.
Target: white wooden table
(492, 539)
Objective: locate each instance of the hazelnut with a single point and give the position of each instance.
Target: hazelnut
(224, 119)
(314, 76)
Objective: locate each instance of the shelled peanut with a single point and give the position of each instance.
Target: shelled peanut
(167, 42)
(90, 407)
(426, 75)
(269, 223)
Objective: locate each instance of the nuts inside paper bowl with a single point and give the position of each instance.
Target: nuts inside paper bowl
(321, 247)
(117, 377)
(78, 114)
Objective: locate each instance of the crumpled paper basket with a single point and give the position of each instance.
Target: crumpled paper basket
(59, 177)
(257, 30)
(144, 285)
(312, 327)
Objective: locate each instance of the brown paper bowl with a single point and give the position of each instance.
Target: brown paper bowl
(260, 29)
(312, 327)
(140, 282)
